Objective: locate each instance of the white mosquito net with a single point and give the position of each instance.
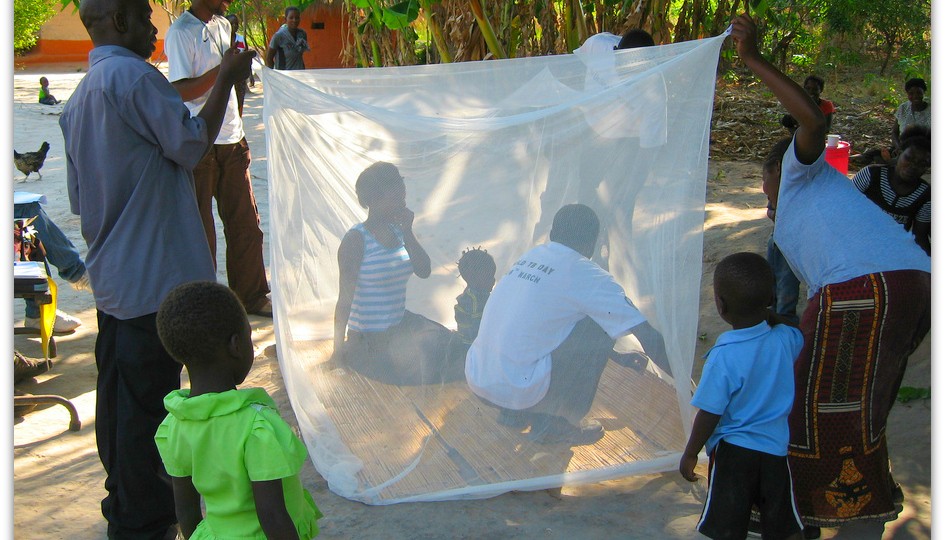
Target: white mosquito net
(489, 152)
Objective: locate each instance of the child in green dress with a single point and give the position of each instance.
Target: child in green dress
(226, 445)
(44, 96)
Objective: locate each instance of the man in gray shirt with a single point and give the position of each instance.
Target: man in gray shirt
(130, 146)
(288, 44)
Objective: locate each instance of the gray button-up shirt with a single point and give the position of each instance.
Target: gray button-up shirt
(131, 146)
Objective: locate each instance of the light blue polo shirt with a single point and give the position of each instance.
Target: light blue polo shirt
(748, 380)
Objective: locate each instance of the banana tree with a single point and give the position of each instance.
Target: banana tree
(436, 31)
(374, 18)
(487, 31)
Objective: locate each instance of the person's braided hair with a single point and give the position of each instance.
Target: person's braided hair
(473, 261)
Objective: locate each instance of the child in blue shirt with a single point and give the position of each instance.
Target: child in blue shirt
(226, 445)
(744, 398)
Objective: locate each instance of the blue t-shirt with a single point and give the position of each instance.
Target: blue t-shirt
(748, 380)
(830, 233)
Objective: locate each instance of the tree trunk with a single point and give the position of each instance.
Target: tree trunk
(889, 52)
(683, 23)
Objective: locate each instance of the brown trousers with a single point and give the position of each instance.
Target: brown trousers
(223, 174)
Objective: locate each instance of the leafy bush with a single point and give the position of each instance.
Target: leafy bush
(802, 61)
(28, 17)
(888, 91)
(915, 66)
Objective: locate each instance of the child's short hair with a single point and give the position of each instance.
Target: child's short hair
(776, 154)
(196, 319)
(375, 180)
(746, 282)
(43, 81)
(290, 9)
(476, 262)
(817, 80)
(789, 123)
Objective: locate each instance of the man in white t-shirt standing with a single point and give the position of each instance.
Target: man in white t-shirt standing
(547, 332)
(194, 45)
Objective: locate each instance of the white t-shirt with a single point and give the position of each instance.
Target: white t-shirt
(829, 232)
(649, 103)
(906, 117)
(531, 312)
(194, 48)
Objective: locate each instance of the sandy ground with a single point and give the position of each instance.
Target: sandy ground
(58, 479)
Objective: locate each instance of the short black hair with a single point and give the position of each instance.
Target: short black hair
(576, 226)
(745, 281)
(789, 122)
(776, 154)
(635, 37)
(816, 79)
(474, 262)
(197, 319)
(374, 181)
(293, 8)
(916, 82)
(916, 136)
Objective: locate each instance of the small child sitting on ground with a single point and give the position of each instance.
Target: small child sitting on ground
(44, 96)
(227, 445)
(477, 269)
(744, 397)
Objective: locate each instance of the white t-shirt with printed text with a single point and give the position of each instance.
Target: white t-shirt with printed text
(531, 312)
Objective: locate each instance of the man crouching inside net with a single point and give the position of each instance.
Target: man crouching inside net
(548, 330)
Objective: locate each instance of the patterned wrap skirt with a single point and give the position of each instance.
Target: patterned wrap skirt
(858, 336)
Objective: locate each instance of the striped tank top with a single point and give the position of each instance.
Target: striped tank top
(381, 293)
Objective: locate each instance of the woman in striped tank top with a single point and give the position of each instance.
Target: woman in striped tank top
(374, 333)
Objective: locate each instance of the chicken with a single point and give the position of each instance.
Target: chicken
(31, 162)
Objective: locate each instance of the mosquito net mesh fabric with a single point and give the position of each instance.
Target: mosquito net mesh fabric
(488, 153)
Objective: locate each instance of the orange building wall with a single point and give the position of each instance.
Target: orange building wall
(64, 39)
(327, 42)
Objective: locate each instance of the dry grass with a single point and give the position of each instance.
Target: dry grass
(746, 119)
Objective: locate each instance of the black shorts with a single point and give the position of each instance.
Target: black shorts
(739, 478)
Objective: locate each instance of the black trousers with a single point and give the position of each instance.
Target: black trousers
(576, 369)
(134, 375)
